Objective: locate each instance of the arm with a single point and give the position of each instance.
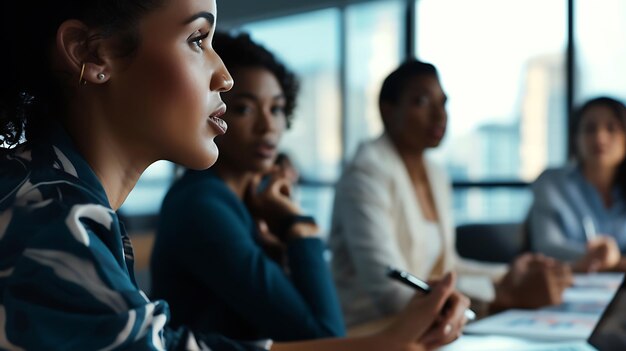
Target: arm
(234, 267)
(363, 217)
(424, 324)
(546, 230)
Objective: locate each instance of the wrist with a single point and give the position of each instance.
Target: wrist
(299, 226)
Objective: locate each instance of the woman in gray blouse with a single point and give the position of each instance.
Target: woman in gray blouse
(579, 211)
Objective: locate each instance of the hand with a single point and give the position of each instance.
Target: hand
(532, 282)
(602, 254)
(272, 204)
(431, 320)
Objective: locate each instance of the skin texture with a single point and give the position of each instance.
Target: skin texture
(150, 106)
(257, 122)
(601, 139)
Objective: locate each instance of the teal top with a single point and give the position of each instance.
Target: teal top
(208, 264)
(66, 263)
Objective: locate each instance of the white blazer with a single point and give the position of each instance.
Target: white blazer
(377, 222)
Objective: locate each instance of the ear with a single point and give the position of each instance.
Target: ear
(77, 45)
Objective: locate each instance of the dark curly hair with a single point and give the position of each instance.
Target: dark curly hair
(238, 50)
(32, 95)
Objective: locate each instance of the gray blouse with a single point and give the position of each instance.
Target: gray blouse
(567, 209)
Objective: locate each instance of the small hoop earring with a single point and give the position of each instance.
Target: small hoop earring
(81, 81)
(100, 76)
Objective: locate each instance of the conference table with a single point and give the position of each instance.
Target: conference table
(571, 322)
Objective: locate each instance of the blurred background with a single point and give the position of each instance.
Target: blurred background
(512, 69)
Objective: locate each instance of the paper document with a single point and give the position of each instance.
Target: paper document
(538, 325)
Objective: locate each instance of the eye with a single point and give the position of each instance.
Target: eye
(198, 41)
(242, 109)
(278, 110)
(421, 100)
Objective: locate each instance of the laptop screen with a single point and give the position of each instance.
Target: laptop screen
(610, 332)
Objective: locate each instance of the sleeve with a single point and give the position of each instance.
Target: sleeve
(363, 217)
(68, 291)
(237, 270)
(545, 224)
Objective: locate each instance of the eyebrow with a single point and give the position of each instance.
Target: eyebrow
(206, 15)
(255, 98)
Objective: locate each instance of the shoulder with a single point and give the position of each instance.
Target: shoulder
(555, 176)
(375, 162)
(202, 190)
(14, 171)
(200, 201)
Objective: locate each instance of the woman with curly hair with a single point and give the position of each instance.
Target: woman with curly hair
(92, 93)
(211, 261)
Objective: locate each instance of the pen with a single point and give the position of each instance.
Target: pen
(410, 280)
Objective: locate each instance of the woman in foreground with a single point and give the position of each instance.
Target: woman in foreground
(102, 89)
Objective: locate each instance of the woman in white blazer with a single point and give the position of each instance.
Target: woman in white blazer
(393, 207)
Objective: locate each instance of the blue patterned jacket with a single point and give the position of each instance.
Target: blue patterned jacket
(66, 263)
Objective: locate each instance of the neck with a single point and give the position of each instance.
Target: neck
(413, 159)
(236, 180)
(117, 163)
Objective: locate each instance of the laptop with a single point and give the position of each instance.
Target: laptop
(609, 334)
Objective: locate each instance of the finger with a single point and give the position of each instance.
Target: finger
(442, 290)
(451, 326)
(421, 312)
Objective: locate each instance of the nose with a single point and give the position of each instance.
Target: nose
(602, 136)
(221, 80)
(266, 121)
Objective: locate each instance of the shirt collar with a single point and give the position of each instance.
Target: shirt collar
(68, 159)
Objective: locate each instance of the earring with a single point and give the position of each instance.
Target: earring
(81, 81)
(100, 76)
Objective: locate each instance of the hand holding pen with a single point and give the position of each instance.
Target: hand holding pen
(445, 307)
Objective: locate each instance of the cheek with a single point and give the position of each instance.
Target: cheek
(175, 84)
(620, 144)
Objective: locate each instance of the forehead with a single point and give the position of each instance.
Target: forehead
(423, 83)
(176, 13)
(598, 113)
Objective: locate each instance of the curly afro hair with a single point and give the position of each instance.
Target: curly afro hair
(238, 50)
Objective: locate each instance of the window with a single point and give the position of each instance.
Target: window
(601, 49)
(148, 194)
(374, 48)
(503, 69)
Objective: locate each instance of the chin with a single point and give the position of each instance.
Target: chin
(203, 160)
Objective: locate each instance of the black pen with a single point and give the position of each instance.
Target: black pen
(410, 280)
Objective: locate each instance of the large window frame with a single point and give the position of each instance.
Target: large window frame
(409, 52)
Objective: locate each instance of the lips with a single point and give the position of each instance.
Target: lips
(216, 122)
(437, 132)
(265, 149)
